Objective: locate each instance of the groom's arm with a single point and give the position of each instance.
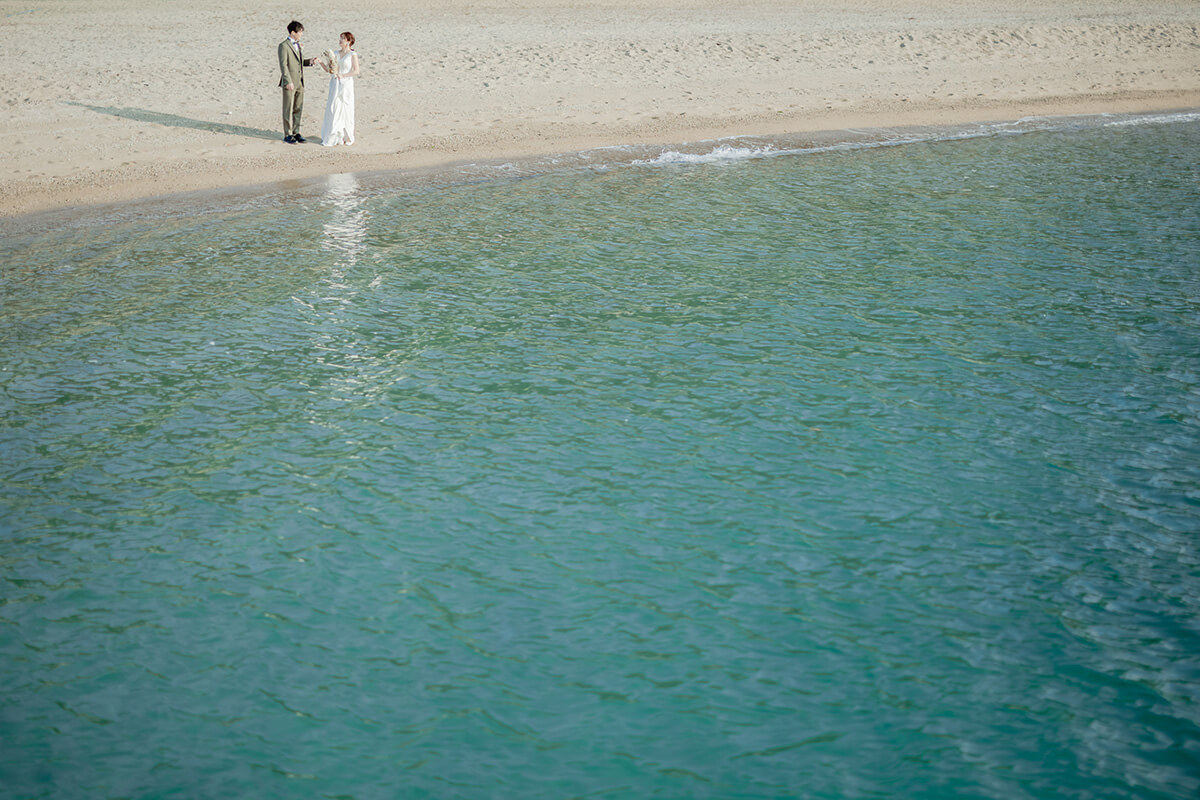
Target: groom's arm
(284, 77)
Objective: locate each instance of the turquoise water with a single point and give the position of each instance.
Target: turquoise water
(861, 473)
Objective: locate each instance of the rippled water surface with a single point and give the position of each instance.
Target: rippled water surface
(848, 474)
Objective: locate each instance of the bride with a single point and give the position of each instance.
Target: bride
(338, 127)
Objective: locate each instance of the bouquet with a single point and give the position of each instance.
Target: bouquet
(329, 58)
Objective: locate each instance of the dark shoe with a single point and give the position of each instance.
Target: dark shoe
(290, 139)
(300, 139)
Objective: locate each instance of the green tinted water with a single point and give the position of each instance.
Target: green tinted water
(860, 474)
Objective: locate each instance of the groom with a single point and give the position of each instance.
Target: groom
(291, 68)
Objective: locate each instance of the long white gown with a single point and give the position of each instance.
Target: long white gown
(338, 127)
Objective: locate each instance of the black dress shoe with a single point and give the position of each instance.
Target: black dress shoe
(290, 139)
(300, 139)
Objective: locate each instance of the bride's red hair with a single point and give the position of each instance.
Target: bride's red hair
(349, 36)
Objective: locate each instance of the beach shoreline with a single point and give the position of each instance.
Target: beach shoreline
(471, 82)
(331, 186)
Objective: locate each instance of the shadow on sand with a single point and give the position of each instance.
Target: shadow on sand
(175, 121)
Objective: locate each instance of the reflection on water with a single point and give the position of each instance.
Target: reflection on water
(857, 474)
(329, 308)
(346, 229)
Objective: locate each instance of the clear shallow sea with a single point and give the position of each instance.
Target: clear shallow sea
(845, 472)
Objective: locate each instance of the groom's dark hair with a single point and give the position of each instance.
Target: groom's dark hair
(294, 26)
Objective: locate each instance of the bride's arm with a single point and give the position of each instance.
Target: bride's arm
(353, 73)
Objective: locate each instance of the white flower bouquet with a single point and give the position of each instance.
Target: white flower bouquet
(330, 60)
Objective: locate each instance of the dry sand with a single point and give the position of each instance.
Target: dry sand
(118, 99)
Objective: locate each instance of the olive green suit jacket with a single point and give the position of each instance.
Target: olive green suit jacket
(291, 66)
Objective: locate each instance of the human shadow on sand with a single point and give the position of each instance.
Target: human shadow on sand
(175, 121)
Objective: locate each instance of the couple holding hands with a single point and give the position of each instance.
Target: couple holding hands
(338, 127)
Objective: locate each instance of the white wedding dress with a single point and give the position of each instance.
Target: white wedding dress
(338, 127)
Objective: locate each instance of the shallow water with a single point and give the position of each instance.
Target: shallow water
(855, 473)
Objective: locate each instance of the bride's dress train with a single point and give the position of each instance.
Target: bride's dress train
(338, 127)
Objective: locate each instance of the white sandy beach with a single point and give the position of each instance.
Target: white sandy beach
(108, 100)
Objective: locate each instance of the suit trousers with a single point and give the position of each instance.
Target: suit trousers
(293, 104)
